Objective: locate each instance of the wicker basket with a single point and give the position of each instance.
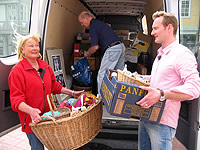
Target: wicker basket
(121, 76)
(65, 112)
(71, 132)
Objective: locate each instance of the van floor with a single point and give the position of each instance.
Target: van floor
(17, 140)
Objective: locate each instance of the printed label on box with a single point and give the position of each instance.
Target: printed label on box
(119, 106)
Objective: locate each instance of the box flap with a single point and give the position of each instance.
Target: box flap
(107, 91)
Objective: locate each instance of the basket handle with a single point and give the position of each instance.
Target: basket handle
(49, 98)
(48, 117)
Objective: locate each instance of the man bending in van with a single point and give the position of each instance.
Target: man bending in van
(103, 37)
(174, 78)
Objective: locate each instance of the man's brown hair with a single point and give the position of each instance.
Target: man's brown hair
(168, 18)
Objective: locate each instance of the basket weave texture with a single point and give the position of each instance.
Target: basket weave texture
(64, 111)
(71, 132)
(121, 76)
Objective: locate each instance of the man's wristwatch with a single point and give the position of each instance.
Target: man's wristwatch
(162, 95)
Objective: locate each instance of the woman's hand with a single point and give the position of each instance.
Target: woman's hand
(35, 115)
(73, 93)
(33, 112)
(76, 94)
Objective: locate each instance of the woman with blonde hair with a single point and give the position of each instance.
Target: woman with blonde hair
(30, 80)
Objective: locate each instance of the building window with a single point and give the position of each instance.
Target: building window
(185, 8)
(13, 21)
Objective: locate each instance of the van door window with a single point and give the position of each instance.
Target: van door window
(14, 19)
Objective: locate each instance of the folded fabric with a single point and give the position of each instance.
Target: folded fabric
(71, 101)
(80, 101)
(67, 103)
(50, 114)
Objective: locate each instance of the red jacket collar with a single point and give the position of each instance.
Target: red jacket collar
(27, 65)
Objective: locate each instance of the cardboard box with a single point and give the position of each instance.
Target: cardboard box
(79, 49)
(120, 100)
(76, 49)
(86, 41)
(141, 42)
(132, 59)
(132, 52)
(83, 36)
(127, 43)
(125, 32)
(122, 34)
(141, 69)
(131, 55)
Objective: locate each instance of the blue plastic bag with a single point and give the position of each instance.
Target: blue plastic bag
(81, 72)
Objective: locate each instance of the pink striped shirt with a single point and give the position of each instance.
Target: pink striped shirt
(175, 71)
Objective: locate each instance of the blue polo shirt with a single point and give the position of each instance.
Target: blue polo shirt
(101, 34)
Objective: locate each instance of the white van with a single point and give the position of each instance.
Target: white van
(56, 22)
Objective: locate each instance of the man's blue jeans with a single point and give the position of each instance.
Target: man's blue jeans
(113, 59)
(155, 136)
(34, 142)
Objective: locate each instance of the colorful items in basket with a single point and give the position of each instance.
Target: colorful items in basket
(85, 100)
(135, 75)
(50, 113)
(140, 77)
(68, 103)
(80, 104)
(57, 114)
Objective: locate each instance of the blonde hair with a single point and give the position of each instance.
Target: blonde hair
(22, 42)
(168, 18)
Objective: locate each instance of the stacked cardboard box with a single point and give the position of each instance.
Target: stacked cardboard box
(131, 55)
(141, 42)
(83, 36)
(122, 34)
(79, 49)
(83, 44)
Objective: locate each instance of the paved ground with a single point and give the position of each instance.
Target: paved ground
(17, 140)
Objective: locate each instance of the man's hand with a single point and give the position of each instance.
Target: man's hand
(151, 98)
(86, 54)
(91, 51)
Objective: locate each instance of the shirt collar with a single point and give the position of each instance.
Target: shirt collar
(27, 65)
(167, 49)
(91, 21)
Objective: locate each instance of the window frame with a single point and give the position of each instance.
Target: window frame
(189, 12)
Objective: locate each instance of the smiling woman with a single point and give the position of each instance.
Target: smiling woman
(35, 80)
